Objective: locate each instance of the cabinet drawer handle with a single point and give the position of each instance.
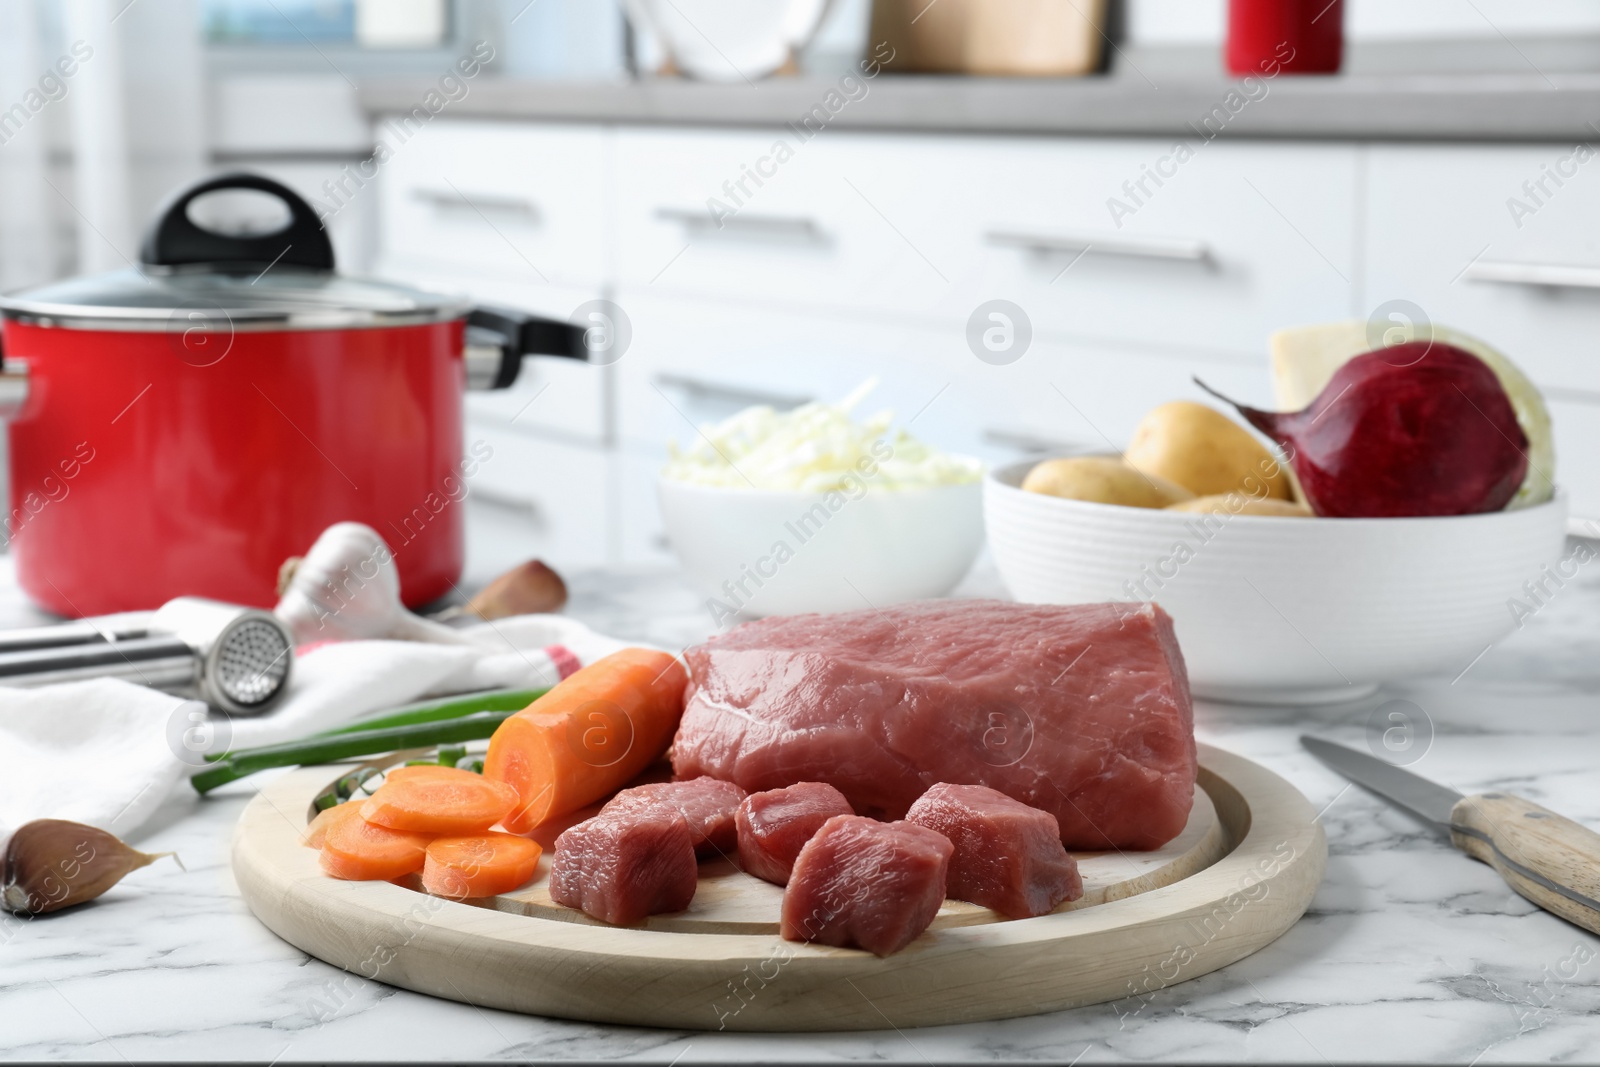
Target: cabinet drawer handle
(508, 501)
(1549, 275)
(699, 387)
(450, 200)
(1187, 251)
(1035, 444)
(788, 228)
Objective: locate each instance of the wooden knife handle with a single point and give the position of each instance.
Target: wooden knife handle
(1549, 859)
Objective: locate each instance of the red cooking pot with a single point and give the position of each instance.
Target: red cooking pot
(184, 426)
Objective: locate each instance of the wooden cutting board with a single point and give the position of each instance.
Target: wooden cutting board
(1241, 873)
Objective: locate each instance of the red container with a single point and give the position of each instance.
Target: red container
(1271, 37)
(183, 427)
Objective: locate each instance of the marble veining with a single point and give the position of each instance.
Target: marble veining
(1410, 950)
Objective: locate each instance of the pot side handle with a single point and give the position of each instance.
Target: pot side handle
(498, 338)
(13, 385)
(174, 240)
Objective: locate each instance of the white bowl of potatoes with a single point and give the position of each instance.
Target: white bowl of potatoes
(1272, 604)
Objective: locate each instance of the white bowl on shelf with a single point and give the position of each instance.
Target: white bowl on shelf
(728, 40)
(1283, 610)
(764, 552)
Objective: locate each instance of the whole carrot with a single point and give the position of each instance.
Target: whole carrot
(589, 736)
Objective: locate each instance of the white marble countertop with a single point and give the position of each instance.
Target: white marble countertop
(1410, 951)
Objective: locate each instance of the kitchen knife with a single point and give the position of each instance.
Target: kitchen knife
(1549, 859)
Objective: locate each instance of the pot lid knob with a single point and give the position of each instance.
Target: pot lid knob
(175, 241)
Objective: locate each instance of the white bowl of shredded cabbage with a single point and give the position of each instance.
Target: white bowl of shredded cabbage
(777, 513)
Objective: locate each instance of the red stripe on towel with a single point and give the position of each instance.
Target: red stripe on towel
(566, 662)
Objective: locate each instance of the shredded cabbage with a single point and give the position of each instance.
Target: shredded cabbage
(814, 448)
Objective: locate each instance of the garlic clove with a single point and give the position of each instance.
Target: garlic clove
(52, 864)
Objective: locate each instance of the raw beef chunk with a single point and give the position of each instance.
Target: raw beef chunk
(1008, 856)
(707, 804)
(625, 866)
(866, 884)
(774, 826)
(1081, 710)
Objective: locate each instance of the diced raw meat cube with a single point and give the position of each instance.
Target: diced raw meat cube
(774, 826)
(707, 804)
(867, 884)
(1081, 710)
(623, 867)
(1008, 856)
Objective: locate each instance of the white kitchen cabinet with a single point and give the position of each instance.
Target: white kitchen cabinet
(694, 361)
(699, 361)
(1239, 241)
(563, 495)
(514, 202)
(640, 535)
(1440, 226)
(553, 394)
(864, 255)
(805, 236)
(1058, 397)
(1577, 430)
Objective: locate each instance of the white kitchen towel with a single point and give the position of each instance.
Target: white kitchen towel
(108, 753)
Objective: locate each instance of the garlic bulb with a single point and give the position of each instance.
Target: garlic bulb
(52, 864)
(347, 588)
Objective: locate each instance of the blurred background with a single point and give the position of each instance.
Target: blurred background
(596, 151)
(181, 87)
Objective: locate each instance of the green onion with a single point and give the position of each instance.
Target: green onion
(429, 721)
(345, 745)
(439, 710)
(346, 787)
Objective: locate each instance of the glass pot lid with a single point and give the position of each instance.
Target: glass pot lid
(284, 280)
(141, 298)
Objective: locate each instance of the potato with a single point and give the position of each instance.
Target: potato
(1103, 480)
(1239, 504)
(1206, 452)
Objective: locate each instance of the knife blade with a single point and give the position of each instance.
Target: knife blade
(1428, 801)
(1549, 859)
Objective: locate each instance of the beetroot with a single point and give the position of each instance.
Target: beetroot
(1413, 429)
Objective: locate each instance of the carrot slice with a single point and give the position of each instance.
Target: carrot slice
(587, 737)
(360, 851)
(318, 828)
(482, 865)
(440, 801)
